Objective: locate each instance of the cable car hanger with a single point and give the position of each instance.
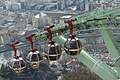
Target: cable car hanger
(29, 38)
(14, 48)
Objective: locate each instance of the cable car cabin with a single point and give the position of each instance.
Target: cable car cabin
(17, 65)
(73, 46)
(34, 59)
(53, 51)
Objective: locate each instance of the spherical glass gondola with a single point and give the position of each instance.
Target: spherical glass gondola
(17, 65)
(34, 59)
(73, 46)
(53, 51)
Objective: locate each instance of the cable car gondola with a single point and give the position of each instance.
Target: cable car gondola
(17, 64)
(52, 50)
(73, 45)
(34, 58)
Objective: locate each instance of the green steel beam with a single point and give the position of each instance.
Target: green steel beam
(88, 18)
(111, 45)
(99, 13)
(62, 28)
(104, 71)
(101, 69)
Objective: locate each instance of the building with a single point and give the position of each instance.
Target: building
(52, 6)
(86, 5)
(23, 4)
(67, 3)
(10, 21)
(39, 1)
(40, 7)
(8, 5)
(15, 6)
(1, 8)
(59, 5)
(41, 20)
(12, 6)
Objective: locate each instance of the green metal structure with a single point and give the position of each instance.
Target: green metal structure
(102, 20)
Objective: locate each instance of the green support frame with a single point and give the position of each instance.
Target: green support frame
(101, 69)
(111, 45)
(93, 19)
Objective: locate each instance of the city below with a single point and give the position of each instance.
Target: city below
(21, 18)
